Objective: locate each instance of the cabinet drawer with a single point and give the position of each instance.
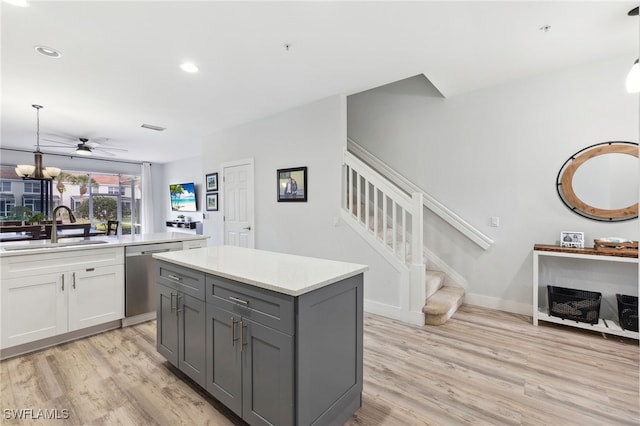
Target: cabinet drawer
(265, 307)
(186, 280)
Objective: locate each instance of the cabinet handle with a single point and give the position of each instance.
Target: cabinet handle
(62, 276)
(242, 342)
(173, 307)
(235, 299)
(90, 269)
(73, 283)
(174, 277)
(178, 297)
(233, 331)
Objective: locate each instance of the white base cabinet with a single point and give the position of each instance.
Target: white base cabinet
(49, 294)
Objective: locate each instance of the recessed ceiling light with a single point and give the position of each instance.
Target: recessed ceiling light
(189, 67)
(48, 51)
(21, 3)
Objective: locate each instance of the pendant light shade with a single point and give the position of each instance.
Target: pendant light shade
(633, 78)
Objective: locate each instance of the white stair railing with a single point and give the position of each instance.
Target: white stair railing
(392, 222)
(385, 212)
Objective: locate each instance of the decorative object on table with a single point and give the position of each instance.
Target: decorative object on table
(212, 201)
(615, 245)
(573, 304)
(628, 311)
(573, 239)
(292, 184)
(180, 218)
(211, 180)
(597, 174)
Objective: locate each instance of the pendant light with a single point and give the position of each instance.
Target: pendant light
(37, 172)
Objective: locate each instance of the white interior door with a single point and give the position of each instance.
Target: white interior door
(238, 203)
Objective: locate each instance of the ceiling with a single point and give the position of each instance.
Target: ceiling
(120, 60)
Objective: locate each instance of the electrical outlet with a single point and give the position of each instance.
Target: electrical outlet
(495, 221)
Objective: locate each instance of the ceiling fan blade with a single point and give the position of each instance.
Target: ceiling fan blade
(103, 151)
(111, 148)
(55, 146)
(60, 142)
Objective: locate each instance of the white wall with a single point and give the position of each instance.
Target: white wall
(496, 152)
(187, 170)
(314, 136)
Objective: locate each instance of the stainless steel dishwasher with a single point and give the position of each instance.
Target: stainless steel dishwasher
(140, 286)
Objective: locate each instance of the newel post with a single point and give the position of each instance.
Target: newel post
(417, 263)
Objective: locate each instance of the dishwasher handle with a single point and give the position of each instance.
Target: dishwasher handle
(147, 252)
(154, 251)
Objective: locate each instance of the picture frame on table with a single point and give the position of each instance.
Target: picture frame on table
(211, 182)
(212, 202)
(292, 185)
(573, 239)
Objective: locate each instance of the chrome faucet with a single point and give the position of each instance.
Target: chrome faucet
(54, 227)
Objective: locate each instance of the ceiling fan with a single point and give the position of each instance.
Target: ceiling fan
(85, 147)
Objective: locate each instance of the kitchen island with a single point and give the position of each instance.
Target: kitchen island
(276, 338)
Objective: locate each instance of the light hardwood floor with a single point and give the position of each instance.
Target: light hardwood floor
(483, 367)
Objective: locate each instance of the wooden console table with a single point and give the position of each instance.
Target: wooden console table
(584, 269)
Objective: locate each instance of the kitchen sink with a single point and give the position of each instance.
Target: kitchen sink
(48, 245)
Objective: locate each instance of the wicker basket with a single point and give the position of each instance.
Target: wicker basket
(616, 247)
(628, 312)
(572, 304)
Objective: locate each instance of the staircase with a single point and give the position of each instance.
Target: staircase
(392, 222)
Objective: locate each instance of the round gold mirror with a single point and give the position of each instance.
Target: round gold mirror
(600, 182)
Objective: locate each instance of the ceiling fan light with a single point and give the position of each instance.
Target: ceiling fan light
(83, 150)
(633, 78)
(53, 171)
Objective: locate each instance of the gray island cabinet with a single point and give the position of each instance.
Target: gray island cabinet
(276, 338)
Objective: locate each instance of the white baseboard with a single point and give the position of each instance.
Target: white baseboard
(498, 304)
(393, 312)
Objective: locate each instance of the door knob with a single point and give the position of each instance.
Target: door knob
(248, 228)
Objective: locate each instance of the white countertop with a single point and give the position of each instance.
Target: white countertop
(283, 273)
(8, 248)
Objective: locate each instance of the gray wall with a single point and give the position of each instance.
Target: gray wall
(496, 152)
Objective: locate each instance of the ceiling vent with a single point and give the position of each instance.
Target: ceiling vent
(152, 127)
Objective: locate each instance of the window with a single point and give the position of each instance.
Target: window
(6, 204)
(115, 190)
(93, 197)
(32, 203)
(32, 187)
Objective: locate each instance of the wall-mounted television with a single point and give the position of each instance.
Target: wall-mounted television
(183, 197)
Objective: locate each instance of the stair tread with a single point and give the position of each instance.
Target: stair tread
(443, 300)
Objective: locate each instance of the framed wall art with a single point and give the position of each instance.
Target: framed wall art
(211, 182)
(212, 202)
(292, 184)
